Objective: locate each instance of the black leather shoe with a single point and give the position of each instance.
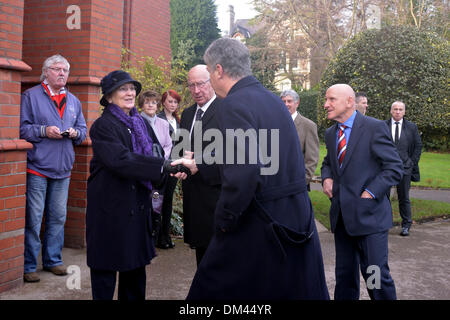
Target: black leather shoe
(163, 246)
(405, 232)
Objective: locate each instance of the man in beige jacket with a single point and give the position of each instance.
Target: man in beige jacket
(307, 133)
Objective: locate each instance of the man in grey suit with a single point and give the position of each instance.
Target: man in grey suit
(406, 138)
(307, 133)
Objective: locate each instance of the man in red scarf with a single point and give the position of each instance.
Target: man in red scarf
(51, 119)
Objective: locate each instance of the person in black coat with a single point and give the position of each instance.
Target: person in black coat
(170, 101)
(265, 244)
(409, 147)
(198, 209)
(122, 174)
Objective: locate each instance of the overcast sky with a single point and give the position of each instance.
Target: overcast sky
(242, 10)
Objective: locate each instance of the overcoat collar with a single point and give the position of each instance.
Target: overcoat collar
(242, 83)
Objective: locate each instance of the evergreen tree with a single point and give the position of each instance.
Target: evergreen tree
(193, 20)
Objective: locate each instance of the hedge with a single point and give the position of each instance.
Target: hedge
(397, 63)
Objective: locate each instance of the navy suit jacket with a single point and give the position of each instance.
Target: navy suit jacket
(371, 162)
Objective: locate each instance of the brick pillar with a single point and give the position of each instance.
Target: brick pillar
(13, 150)
(88, 33)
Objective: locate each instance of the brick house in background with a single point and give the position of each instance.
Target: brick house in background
(90, 34)
(243, 29)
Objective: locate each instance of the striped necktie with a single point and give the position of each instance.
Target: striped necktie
(342, 144)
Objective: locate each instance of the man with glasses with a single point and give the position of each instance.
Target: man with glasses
(201, 191)
(51, 119)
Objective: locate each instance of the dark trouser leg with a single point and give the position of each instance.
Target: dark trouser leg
(374, 266)
(347, 264)
(199, 253)
(132, 284)
(403, 201)
(103, 284)
(166, 212)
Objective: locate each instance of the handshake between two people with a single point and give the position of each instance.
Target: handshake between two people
(181, 168)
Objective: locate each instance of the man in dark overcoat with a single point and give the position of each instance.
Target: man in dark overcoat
(406, 138)
(201, 191)
(265, 244)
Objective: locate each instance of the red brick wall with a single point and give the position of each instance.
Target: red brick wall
(92, 51)
(33, 30)
(12, 214)
(147, 28)
(12, 149)
(11, 19)
(9, 103)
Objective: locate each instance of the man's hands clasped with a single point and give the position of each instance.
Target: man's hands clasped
(54, 132)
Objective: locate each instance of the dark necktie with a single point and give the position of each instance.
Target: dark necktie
(197, 120)
(397, 137)
(342, 144)
(198, 115)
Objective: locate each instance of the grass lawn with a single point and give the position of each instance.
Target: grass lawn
(434, 169)
(422, 210)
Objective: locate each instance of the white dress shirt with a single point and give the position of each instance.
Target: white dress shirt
(204, 108)
(399, 128)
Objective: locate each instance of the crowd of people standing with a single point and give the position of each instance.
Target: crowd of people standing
(254, 235)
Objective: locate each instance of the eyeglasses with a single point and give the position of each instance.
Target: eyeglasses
(58, 70)
(199, 85)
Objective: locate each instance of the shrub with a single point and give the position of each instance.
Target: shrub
(159, 75)
(308, 104)
(397, 63)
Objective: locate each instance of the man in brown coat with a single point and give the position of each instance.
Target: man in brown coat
(307, 133)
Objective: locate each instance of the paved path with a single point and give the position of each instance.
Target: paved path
(419, 265)
(429, 194)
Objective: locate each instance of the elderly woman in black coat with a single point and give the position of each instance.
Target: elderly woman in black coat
(122, 174)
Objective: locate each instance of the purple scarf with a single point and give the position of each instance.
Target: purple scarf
(142, 142)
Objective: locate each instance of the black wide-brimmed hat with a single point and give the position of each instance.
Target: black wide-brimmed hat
(114, 80)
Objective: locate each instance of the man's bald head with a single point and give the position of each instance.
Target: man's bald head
(200, 85)
(340, 102)
(344, 89)
(198, 69)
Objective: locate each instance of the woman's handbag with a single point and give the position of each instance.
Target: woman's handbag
(157, 201)
(157, 195)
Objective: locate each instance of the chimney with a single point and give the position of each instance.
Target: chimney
(231, 11)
